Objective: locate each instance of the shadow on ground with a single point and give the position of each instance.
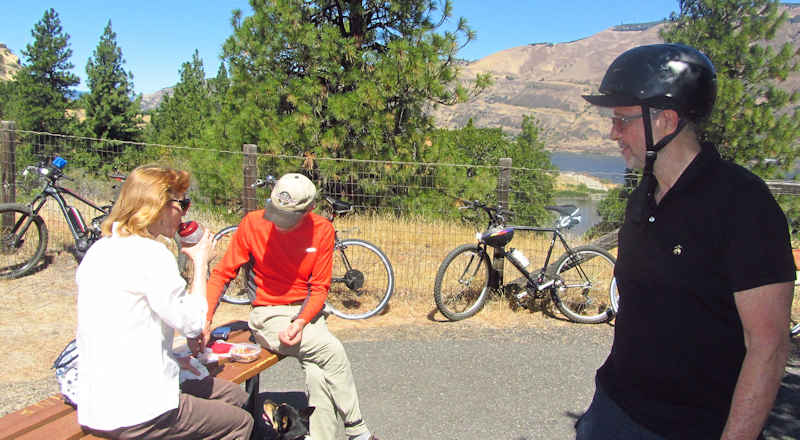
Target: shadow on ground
(783, 422)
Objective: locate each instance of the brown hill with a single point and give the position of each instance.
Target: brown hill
(547, 80)
(9, 63)
(151, 101)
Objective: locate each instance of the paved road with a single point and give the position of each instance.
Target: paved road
(456, 381)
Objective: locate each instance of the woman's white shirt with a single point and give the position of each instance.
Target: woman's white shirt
(130, 298)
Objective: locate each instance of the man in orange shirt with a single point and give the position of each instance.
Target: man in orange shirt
(290, 249)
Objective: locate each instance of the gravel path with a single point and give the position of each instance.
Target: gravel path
(464, 381)
(468, 383)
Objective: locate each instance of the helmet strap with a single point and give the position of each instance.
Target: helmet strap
(642, 202)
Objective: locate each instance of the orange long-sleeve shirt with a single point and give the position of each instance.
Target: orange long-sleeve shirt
(288, 267)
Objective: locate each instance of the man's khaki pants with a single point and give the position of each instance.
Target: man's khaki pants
(330, 385)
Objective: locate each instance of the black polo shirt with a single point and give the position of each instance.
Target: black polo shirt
(678, 341)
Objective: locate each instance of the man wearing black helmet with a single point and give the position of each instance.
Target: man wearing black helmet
(704, 268)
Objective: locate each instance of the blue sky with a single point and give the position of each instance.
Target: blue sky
(156, 37)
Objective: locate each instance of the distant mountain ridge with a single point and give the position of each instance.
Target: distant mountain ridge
(547, 80)
(151, 101)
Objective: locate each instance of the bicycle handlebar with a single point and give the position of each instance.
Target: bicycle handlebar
(47, 171)
(497, 215)
(260, 183)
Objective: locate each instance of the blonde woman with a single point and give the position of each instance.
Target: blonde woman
(131, 299)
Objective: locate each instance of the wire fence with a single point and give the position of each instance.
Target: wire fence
(408, 209)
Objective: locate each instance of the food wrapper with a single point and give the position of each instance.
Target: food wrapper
(245, 352)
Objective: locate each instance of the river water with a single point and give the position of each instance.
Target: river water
(602, 166)
(610, 168)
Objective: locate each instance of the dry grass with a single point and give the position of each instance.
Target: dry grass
(38, 316)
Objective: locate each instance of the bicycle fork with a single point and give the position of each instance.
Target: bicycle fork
(13, 240)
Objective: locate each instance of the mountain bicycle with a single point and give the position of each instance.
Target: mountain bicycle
(362, 282)
(579, 283)
(23, 232)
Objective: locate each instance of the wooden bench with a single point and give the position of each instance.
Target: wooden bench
(52, 419)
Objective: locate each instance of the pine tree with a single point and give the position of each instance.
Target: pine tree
(112, 109)
(755, 122)
(470, 145)
(44, 82)
(343, 78)
(180, 119)
(219, 87)
(7, 97)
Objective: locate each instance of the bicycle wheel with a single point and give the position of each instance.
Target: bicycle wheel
(584, 293)
(241, 289)
(614, 296)
(462, 282)
(20, 249)
(362, 281)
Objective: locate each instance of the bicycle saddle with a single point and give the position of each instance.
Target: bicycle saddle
(339, 206)
(563, 209)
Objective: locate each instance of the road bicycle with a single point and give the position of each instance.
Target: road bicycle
(579, 282)
(362, 282)
(23, 232)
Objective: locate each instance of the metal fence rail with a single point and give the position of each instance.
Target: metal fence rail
(393, 207)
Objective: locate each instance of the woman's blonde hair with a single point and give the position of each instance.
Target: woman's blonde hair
(144, 194)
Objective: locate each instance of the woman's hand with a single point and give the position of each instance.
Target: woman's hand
(201, 252)
(186, 364)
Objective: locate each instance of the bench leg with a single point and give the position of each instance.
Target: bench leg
(251, 386)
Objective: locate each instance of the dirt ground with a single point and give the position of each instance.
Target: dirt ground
(38, 318)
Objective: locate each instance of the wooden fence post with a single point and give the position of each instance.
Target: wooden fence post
(503, 185)
(8, 161)
(250, 173)
(8, 168)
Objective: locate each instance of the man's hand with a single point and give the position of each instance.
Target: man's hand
(293, 333)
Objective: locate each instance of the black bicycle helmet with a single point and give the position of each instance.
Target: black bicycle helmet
(661, 76)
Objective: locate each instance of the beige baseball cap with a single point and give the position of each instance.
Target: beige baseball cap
(292, 196)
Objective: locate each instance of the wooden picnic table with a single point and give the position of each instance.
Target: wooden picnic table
(52, 419)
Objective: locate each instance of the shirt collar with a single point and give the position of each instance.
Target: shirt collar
(698, 168)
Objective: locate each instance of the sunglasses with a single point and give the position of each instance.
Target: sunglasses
(620, 122)
(184, 202)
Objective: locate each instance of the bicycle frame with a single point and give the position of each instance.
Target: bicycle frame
(497, 218)
(77, 226)
(539, 282)
(82, 233)
(337, 243)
